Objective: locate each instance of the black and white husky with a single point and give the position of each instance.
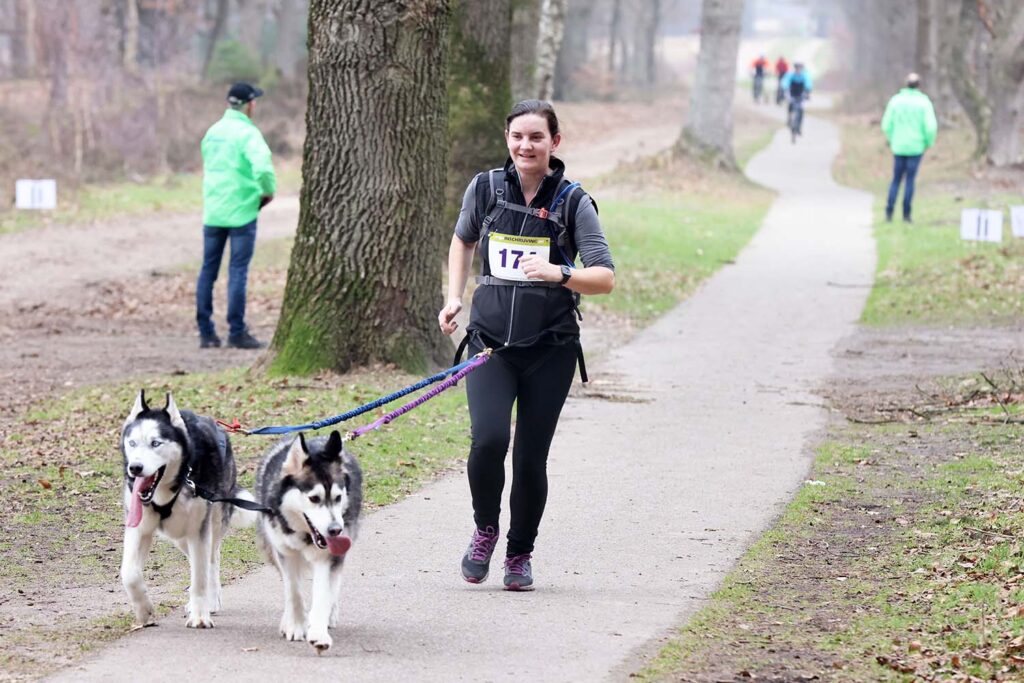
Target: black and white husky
(167, 454)
(314, 490)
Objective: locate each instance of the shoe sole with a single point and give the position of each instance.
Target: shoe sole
(516, 588)
(473, 579)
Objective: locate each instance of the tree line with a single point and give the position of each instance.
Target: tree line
(969, 53)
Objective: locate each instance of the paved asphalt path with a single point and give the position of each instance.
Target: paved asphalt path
(699, 438)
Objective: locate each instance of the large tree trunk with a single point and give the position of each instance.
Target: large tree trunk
(479, 95)
(525, 18)
(708, 130)
(549, 40)
(1007, 90)
(364, 282)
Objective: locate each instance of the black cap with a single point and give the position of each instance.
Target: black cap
(240, 93)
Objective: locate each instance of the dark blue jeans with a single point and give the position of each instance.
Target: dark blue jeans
(902, 166)
(243, 241)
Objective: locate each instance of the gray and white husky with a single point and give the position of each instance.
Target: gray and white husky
(167, 454)
(314, 490)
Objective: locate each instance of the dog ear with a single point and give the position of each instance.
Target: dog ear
(298, 454)
(172, 409)
(139, 407)
(332, 451)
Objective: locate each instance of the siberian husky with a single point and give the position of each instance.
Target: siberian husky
(168, 454)
(314, 490)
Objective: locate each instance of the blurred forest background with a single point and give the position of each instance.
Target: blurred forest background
(99, 90)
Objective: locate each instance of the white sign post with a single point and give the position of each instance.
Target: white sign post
(981, 225)
(1017, 220)
(35, 194)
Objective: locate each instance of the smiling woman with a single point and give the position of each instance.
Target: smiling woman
(529, 223)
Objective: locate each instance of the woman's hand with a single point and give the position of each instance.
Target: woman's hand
(537, 268)
(446, 318)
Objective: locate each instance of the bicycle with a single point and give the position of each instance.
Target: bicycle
(795, 117)
(758, 88)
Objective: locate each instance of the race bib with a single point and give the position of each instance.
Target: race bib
(505, 254)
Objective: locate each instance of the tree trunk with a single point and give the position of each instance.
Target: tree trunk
(251, 16)
(549, 40)
(708, 130)
(23, 41)
(287, 50)
(479, 95)
(130, 36)
(575, 49)
(614, 34)
(525, 18)
(961, 29)
(364, 283)
(220, 20)
(927, 42)
(643, 59)
(1007, 90)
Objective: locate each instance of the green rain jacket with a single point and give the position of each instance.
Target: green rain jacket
(237, 171)
(909, 123)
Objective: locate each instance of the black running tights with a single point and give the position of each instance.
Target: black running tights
(537, 379)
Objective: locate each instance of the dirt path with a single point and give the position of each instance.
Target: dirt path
(654, 495)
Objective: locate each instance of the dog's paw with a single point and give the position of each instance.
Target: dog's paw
(215, 604)
(198, 620)
(292, 629)
(144, 613)
(320, 640)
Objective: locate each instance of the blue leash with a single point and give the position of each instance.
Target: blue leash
(327, 422)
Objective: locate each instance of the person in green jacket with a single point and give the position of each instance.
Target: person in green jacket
(909, 126)
(238, 181)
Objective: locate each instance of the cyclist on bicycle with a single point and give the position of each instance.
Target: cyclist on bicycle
(781, 69)
(760, 67)
(797, 85)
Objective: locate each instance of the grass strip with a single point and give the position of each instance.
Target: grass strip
(926, 273)
(899, 559)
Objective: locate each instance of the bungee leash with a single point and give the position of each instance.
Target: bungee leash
(454, 374)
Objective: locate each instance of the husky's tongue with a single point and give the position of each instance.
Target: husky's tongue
(339, 545)
(135, 509)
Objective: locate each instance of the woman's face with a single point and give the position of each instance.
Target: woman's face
(530, 144)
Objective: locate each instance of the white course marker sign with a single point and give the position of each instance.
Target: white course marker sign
(1017, 220)
(981, 225)
(35, 194)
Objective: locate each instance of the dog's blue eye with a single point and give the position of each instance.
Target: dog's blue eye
(315, 500)
(154, 443)
(132, 444)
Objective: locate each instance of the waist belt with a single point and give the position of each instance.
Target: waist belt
(491, 280)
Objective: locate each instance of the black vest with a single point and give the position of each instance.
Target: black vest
(522, 315)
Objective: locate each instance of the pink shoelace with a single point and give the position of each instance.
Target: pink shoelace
(483, 544)
(516, 564)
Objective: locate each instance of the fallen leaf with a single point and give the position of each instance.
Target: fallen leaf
(45, 484)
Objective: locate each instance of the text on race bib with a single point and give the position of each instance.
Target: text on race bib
(505, 254)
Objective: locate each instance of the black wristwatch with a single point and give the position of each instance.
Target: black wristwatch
(566, 274)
